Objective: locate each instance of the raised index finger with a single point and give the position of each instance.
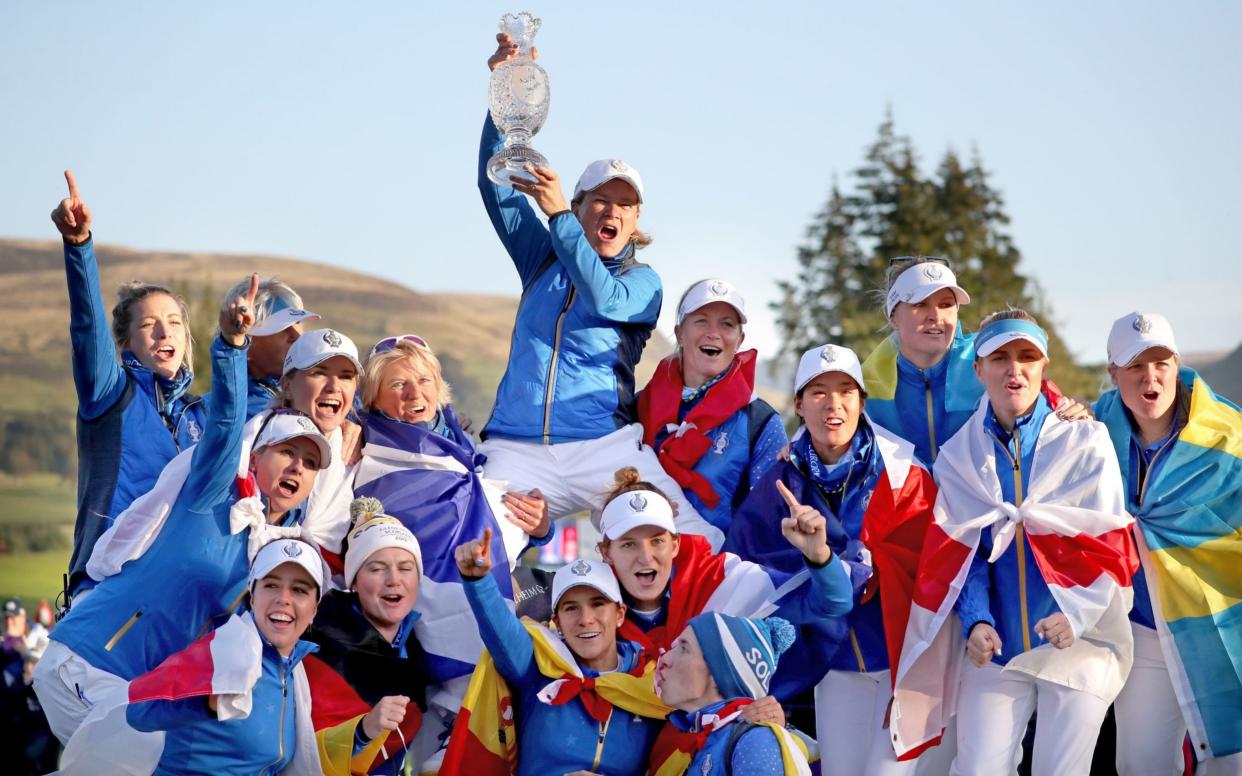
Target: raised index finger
(254, 289)
(786, 494)
(485, 545)
(73, 186)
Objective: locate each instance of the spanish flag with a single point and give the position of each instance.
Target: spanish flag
(484, 739)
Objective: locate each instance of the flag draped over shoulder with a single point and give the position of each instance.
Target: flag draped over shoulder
(484, 739)
(675, 749)
(704, 581)
(432, 486)
(962, 388)
(1075, 518)
(1190, 521)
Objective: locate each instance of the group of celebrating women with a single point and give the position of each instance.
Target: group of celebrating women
(309, 570)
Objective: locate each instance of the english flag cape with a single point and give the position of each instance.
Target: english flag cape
(1075, 517)
(432, 485)
(704, 581)
(1190, 535)
(484, 739)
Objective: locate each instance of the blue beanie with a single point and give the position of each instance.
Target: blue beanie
(741, 653)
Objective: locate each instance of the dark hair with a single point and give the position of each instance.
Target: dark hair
(123, 317)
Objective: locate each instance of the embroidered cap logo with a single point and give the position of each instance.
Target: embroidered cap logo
(618, 165)
(932, 272)
(305, 424)
(581, 568)
(719, 287)
(1141, 325)
(638, 502)
(292, 549)
(828, 355)
(332, 338)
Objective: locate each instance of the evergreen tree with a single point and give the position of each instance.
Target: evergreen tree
(894, 209)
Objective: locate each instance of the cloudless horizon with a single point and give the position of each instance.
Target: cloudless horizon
(348, 134)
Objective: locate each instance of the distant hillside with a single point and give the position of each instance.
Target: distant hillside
(1225, 375)
(470, 332)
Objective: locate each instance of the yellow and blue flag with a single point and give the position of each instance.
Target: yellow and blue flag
(1190, 516)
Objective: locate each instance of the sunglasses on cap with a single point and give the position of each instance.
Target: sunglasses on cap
(904, 259)
(388, 343)
(281, 411)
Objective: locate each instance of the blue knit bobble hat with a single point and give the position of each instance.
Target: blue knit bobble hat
(742, 653)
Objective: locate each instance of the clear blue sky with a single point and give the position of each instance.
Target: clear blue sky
(347, 132)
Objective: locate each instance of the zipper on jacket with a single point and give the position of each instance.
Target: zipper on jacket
(862, 666)
(122, 630)
(228, 613)
(1019, 537)
(599, 745)
(556, 354)
(1151, 467)
(280, 729)
(931, 415)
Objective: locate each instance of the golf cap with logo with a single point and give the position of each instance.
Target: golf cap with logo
(592, 573)
(921, 281)
(711, 290)
(283, 551)
(12, 607)
(1135, 332)
(600, 172)
(285, 424)
(278, 321)
(315, 347)
(825, 359)
(633, 509)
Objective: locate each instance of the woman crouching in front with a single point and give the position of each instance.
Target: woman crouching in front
(585, 699)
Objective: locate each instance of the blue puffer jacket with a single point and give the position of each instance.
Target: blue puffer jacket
(565, 738)
(194, 573)
(925, 406)
(735, 748)
(581, 324)
(196, 742)
(993, 592)
(130, 422)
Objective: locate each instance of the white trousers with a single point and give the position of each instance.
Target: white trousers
(994, 708)
(85, 707)
(575, 476)
(849, 725)
(1150, 725)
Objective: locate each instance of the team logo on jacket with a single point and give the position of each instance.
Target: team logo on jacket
(1141, 325)
(292, 549)
(722, 442)
(638, 502)
(193, 429)
(581, 568)
(706, 767)
(332, 338)
(932, 272)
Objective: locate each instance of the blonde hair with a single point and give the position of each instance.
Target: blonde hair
(423, 358)
(123, 316)
(1012, 314)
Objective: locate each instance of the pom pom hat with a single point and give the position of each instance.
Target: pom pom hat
(373, 531)
(741, 653)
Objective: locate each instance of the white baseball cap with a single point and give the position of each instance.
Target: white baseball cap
(315, 347)
(600, 172)
(921, 281)
(287, 424)
(592, 573)
(1135, 332)
(633, 509)
(828, 358)
(711, 290)
(283, 551)
(281, 320)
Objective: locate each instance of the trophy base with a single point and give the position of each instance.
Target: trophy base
(509, 163)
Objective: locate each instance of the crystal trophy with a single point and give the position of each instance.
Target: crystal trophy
(518, 98)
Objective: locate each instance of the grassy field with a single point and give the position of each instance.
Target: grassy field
(36, 498)
(32, 575)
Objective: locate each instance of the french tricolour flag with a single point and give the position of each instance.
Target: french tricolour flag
(1075, 518)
